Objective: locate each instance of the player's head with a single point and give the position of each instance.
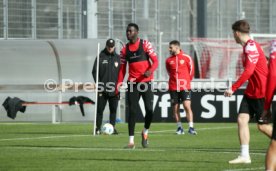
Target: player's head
(132, 31)
(240, 29)
(110, 45)
(174, 47)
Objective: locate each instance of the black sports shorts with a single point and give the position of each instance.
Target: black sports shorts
(254, 107)
(180, 96)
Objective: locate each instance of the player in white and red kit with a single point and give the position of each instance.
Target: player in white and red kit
(255, 71)
(142, 62)
(270, 90)
(180, 68)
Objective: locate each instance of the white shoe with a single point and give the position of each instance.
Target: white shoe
(180, 131)
(241, 160)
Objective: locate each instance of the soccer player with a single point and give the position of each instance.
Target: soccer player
(181, 71)
(255, 71)
(142, 62)
(271, 88)
(109, 65)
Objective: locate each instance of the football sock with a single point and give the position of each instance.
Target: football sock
(145, 131)
(245, 150)
(191, 124)
(131, 139)
(179, 124)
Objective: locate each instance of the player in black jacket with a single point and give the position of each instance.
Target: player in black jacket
(109, 65)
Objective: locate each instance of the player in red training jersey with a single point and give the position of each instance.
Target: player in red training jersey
(255, 71)
(142, 62)
(181, 71)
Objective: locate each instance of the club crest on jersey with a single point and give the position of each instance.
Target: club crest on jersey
(181, 61)
(116, 64)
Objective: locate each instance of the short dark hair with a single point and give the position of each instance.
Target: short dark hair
(241, 26)
(133, 25)
(175, 42)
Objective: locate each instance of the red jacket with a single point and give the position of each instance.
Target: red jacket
(137, 67)
(180, 67)
(255, 71)
(271, 79)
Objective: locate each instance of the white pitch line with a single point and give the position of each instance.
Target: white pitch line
(259, 168)
(200, 129)
(121, 149)
(33, 138)
(85, 149)
(66, 136)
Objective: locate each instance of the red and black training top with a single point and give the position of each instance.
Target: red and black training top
(255, 71)
(141, 58)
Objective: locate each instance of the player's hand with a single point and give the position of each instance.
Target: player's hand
(265, 117)
(228, 93)
(147, 73)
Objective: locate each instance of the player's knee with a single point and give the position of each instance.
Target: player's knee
(187, 107)
(261, 127)
(242, 120)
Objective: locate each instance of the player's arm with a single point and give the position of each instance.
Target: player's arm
(190, 65)
(94, 70)
(270, 81)
(167, 67)
(250, 64)
(122, 70)
(153, 57)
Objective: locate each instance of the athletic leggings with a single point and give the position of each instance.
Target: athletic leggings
(135, 91)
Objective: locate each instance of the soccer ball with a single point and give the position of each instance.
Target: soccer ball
(107, 129)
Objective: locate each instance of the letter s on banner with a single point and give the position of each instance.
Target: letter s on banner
(205, 104)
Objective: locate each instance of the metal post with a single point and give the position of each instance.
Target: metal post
(60, 19)
(110, 18)
(133, 4)
(33, 19)
(96, 90)
(192, 26)
(179, 20)
(157, 28)
(257, 10)
(270, 16)
(201, 18)
(160, 67)
(156, 4)
(83, 19)
(53, 114)
(5, 24)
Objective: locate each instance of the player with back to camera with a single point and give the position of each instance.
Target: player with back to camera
(252, 104)
(181, 71)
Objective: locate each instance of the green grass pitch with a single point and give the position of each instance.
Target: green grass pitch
(71, 146)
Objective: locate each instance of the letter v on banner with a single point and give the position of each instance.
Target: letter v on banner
(142, 104)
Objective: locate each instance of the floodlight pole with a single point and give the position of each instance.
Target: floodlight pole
(96, 89)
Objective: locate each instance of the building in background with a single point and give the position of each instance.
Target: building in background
(160, 21)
